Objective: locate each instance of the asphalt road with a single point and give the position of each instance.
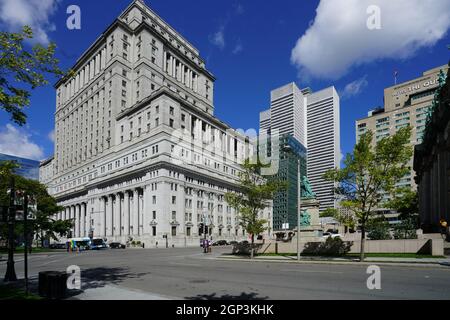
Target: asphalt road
(187, 273)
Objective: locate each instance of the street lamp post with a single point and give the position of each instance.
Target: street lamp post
(25, 231)
(10, 271)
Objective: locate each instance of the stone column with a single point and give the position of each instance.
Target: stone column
(108, 216)
(147, 213)
(83, 219)
(170, 65)
(165, 61)
(116, 215)
(135, 212)
(101, 215)
(174, 67)
(77, 220)
(141, 212)
(126, 214)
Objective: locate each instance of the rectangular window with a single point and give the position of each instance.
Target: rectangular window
(188, 231)
(174, 215)
(154, 231)
(154, 215)
(174, 231)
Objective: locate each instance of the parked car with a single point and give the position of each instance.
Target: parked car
(117, 245)
(332, 235)
(244, 242)
(232, 243)
(220, 243)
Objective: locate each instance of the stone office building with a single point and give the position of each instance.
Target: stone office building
(432, 161)
(139, 153)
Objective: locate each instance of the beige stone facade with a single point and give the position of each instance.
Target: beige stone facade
(404, 104)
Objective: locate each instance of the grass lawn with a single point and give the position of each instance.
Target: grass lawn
(7, 293)
(368, 255)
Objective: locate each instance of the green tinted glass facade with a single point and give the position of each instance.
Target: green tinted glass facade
(291, 152)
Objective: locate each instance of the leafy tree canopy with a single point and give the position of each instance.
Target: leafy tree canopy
(371, 171)
(22, 69)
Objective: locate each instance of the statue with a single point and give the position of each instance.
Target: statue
(305, 218)
(306, 191)
(441, 79)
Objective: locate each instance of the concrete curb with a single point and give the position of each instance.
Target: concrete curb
(442, 265)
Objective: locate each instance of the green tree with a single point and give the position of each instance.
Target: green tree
(405, 201)
(43, 224)
(407, 228)
(254, 195)
(328, 212)
(378, 229)
(22, 70)
(369, 172)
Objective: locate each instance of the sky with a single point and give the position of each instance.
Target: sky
(252, 47)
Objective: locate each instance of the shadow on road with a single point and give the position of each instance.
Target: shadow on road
(90, 279)
(99, 277)
(214, 296)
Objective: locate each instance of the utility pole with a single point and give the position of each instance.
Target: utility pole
(10, 271)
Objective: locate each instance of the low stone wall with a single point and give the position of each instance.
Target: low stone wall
(433, 247)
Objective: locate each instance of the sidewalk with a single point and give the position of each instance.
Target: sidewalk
(111, 292)
(435, 262)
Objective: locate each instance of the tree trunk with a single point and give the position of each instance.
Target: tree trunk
(363, 242)
(252, 248)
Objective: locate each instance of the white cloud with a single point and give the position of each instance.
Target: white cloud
(238, 47)
(354, 88)
(17, 142)
(14, 14)
(239, 9)
(51, 135)
(218, 38)
(339, 37)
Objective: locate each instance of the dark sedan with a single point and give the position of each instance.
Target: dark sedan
(117, 245)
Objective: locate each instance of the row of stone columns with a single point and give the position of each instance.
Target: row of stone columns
(78, 214)
(121, 214)
(176, 69)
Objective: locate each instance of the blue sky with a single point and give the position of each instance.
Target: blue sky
(248, 45)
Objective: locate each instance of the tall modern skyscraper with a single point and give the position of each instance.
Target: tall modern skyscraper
(313, 120)
(139, 153)
(324, 148)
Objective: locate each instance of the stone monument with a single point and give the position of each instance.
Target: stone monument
(309, 219)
